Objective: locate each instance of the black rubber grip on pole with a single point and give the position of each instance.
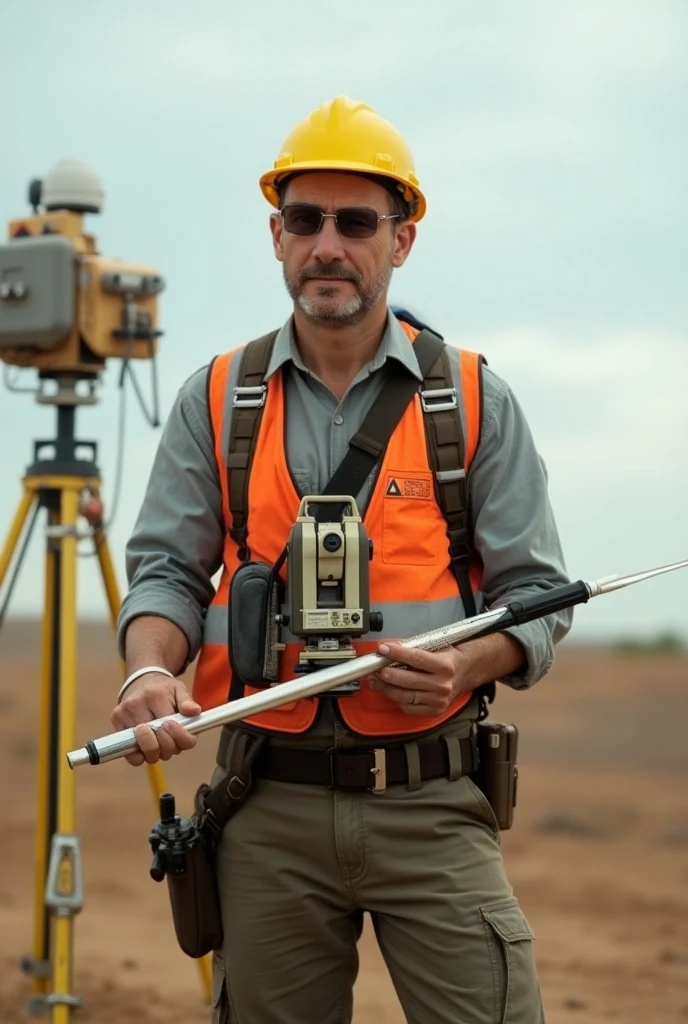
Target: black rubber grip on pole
(539, 605)
(93, 755)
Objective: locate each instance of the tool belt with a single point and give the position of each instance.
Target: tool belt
(363, 770)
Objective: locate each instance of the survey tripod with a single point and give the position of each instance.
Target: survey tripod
(64, 481)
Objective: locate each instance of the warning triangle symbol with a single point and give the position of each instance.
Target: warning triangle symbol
(393, 488)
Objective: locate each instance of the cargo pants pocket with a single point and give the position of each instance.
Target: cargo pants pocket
(517, 997)
(219, 1000)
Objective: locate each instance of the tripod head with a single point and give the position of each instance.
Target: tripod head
(64, 308)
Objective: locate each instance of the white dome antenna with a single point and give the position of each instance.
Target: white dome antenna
(72, 185)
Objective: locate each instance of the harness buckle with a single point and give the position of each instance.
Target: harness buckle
(379, 771)
(250, 398)
(439, 400)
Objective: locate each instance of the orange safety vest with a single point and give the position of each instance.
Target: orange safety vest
(410, 570)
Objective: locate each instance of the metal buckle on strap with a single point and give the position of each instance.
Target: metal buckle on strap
(432, 401)
(449, 476)
(250, 398)
(379, 771)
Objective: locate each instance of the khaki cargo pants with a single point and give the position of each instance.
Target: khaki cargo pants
(299, 865)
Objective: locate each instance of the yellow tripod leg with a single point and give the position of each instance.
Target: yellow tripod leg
(66, 882)
(46, 761)
(14, 533)
(155, 771)
(38, 966)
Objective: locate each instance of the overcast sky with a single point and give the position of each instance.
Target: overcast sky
(550, 140)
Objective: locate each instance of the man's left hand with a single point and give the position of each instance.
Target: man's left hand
(432, 680)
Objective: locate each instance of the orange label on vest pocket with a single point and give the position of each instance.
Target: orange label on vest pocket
(408, 487)
(410, 517)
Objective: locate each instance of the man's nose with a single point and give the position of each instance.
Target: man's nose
(328, 242)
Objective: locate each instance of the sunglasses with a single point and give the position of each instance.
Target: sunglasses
(351, 221)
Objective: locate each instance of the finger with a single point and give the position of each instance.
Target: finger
(168, 747)
(407, 679)
(404, 697)
(184, 701)
(189, 707)
(415, 657)
(148, 743)
(136, 759)
(182, 738)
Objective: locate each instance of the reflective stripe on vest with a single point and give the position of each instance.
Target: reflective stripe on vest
(411, 580)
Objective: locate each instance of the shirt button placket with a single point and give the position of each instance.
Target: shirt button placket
(337, 441)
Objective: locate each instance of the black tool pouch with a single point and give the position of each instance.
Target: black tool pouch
(255, 595)
(183, 856)
(184, 848)
(497, 773)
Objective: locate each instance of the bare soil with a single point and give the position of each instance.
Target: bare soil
(598, 855)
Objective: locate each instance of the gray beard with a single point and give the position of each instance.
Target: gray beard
(339, 314)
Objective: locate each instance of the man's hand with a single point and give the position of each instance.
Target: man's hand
(155, 696)
(432, 680)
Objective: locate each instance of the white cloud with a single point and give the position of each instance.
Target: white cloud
(606, 407)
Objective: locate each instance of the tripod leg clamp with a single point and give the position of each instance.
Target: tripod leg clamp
(64, 892)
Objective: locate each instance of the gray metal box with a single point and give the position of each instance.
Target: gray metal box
(37, 291)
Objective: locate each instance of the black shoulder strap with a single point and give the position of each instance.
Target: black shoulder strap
(447, 454)
(367, 445)
(247, 412)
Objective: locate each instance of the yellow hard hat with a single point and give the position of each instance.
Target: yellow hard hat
(342, 135)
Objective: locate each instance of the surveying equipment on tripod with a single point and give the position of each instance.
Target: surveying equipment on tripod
(65, 310)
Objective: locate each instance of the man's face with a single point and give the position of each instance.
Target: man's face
(334, 280)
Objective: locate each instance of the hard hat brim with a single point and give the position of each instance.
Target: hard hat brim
(269, 180)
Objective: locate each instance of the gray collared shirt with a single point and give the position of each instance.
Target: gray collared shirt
(177, 543)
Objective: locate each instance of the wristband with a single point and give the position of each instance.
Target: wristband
(137, 675)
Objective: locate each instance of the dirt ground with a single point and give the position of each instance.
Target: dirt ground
(598, 855)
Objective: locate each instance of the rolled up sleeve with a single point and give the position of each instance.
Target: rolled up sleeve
(177, 542)
(514, 529)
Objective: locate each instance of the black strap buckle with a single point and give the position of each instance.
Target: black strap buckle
(377, 770)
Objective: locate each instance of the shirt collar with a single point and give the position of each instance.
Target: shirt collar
(394, 345)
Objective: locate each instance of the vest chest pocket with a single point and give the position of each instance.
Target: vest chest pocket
(413, 528)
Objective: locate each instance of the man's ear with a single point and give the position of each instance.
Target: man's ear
(277, 232)
(404, 238)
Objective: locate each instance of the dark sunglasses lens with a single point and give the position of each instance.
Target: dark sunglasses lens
(301, 220)
(357, 222)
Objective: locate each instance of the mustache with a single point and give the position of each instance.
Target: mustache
(333, 270)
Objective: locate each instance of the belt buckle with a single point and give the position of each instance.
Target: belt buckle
(379, 771)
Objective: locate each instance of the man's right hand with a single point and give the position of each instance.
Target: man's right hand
(156, 696)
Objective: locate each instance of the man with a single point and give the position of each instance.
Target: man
(307, 854)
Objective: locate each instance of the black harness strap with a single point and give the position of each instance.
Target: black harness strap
(447, 452)
(447, 455)
(247, 412)
(368, 444)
